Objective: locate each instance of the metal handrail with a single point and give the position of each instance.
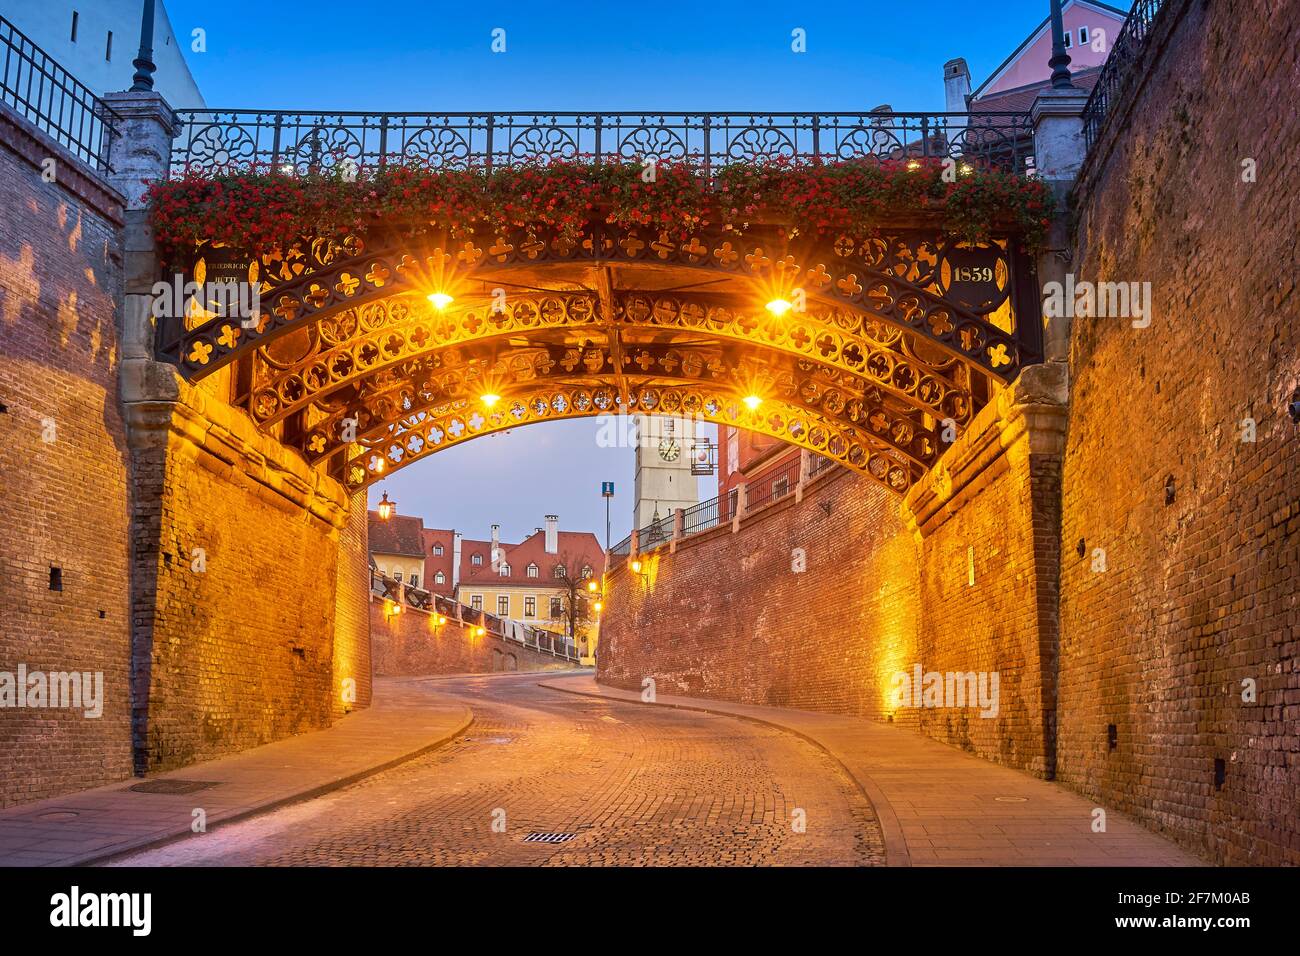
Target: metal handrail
(228, 140)
(54, 101)
(1120, 66)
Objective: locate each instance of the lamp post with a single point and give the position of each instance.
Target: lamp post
(143, 63)
(1060, 61)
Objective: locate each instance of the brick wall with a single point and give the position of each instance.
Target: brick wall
(1199, 594)
(727, 617)
(411, 644)
(352, 610)
(63, 503)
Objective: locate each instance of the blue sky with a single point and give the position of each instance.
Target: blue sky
(404, 55)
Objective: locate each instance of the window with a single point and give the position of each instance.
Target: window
(532, 570)
(477, 560)
(108, 48)
(397, 575)
(504, 570)
(559, 571)
(557, 607)
(530, 607)
(1069, 39)
(1083, 35)
(476, 602)
(503, 605)
(75, 17)
(586, 571)
(440, 578)
(437, 551)
(415, 580)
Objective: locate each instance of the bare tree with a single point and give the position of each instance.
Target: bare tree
(577, 603)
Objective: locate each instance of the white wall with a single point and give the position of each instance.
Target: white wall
(48, 24)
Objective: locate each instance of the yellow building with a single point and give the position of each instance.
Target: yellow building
(397, 547)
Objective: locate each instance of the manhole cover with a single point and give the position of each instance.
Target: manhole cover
(172, 787)
(1011, 799)
(549, 837)
(59, 816)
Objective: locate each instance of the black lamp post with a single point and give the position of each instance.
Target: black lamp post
(144, 65)
(1060, 61)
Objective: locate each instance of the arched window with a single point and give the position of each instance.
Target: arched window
(504, 570)
(476, 560)
(559, 571)
(440, 578)
(437, 551)
(532, 570)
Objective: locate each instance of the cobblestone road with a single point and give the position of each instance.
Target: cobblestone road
(635, 785)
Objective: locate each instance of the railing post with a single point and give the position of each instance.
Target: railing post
(742, 496)
(817, 137)
(275, 143)
(383, 141)
(599, 120)
(634, 545)
(491, 128)
(708, 147)
(679, 529)
(805, 466)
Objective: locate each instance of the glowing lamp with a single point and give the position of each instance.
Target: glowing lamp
(636, 567)
(753, 401)
(598, 606)
(442, 619)
(779, 307)
(913, 164)
(489, 399)
(479, 631)
(591, 586)
(386, 508)
(440, 300)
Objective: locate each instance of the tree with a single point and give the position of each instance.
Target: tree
(576, 609)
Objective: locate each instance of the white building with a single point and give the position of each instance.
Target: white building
(97, 40)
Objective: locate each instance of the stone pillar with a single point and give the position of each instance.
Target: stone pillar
(805, 468)
(1059, 151)
(679, 529)
(741, 502)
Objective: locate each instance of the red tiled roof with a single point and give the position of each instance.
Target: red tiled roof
(400, 535)
(1021, 99)
(574, 550)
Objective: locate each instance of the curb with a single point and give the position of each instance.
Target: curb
(891, 831)
(152, 843)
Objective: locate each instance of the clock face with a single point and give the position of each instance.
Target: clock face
(670, 449)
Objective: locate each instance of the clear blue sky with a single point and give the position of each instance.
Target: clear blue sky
(405, 55)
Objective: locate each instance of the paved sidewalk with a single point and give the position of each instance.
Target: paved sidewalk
(939, 806)
(408, 719)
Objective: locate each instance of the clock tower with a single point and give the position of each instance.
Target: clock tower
(663, 469)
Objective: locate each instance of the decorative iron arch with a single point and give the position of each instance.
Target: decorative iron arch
(916, 281)
(424, 433)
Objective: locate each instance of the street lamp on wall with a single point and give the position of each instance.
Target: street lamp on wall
(386, 508)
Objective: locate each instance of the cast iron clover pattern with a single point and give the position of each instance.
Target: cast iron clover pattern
(424, 433)
(290, 374)
(900, 281)
(216, 141)
(462, 376)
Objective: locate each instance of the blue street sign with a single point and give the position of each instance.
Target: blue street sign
(607, 489)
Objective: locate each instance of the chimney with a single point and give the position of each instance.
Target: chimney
(455, 561)
(956, 85)
(552, 534)
(496, 547)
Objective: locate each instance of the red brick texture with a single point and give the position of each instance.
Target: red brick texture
(352, 611)
(63, 504)
(411, 644)
(1199, 594)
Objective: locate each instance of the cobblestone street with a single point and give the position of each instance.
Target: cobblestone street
(634, 785)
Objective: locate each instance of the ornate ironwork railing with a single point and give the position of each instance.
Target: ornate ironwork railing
(1120, 66)
(772, 485)
(52, 100)
(228, 140)
(701, 517)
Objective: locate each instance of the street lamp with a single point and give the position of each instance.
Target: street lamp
(386, 508)
(142, 82)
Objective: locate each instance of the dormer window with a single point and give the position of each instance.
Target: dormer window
(440, 578)
(1083, 36)
(586, 571)
(532, 570)
(504, 570)
(477, 560)
(559, 571)
(1069, 39)
(437, 551)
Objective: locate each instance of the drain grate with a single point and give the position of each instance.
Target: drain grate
(172, 787)
(549, 837)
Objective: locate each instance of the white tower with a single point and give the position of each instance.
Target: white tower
(663, 469)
